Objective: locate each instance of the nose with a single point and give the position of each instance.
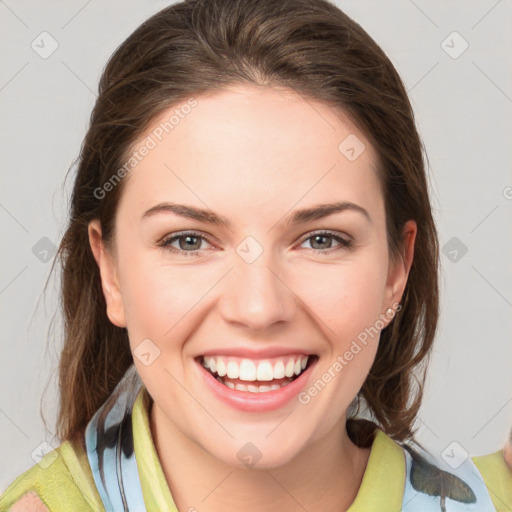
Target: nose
(256, 295)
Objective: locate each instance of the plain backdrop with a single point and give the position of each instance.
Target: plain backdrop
(454, 58)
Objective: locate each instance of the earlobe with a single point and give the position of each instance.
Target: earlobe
(108, 273)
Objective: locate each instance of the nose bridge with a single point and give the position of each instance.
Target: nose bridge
(255, 294)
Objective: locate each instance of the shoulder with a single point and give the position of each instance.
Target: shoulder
(60, 481)
(497, 476)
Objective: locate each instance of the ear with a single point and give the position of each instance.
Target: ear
(398, 271)
(108, 273)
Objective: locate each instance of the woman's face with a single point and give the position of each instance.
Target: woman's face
(263, 293)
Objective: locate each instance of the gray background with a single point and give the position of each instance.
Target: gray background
(463, 107)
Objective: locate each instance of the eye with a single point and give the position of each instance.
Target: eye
(323, 241)
(189, 243)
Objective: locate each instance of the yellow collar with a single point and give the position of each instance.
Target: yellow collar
(382, 487)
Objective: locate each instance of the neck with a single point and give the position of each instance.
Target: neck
(326, 476)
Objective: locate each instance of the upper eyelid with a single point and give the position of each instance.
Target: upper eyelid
(328, 232)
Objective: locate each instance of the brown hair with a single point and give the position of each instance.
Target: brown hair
(192, 47)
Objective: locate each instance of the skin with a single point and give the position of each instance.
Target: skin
(253, 155)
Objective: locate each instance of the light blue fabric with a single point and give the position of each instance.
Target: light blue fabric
(415, 501)
(121, 489)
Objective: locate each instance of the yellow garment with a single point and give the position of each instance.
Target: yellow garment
(498, 479)
(67, 483)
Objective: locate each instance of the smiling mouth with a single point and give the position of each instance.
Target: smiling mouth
(252, 376)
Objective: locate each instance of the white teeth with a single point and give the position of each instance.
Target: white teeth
(247, 370)
(250, 387)
(233, 370)
(221, 367)
(279, 370)
(250, 371)
(289, 368)
(265, 371)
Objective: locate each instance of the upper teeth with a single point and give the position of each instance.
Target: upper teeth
(246, 369)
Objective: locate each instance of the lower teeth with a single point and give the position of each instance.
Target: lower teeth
(251, 388)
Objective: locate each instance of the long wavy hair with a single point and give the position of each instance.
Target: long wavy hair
(194, 47)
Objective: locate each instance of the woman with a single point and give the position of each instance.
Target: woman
(251, 257)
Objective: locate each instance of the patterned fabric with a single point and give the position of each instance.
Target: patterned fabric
(110, 451)
(109, 441)
(119, 470)
(427, 487)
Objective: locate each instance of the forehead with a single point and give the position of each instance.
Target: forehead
(255, 147)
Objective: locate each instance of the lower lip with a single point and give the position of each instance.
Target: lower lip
(256, 402)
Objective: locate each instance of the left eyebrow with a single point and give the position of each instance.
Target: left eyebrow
(299, 216)
(324, 210)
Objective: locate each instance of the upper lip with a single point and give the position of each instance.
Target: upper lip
(253, 353)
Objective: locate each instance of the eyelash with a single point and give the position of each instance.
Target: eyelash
(166, 242)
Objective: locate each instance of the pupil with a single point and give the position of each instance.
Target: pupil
(187, 244)
(319, 237)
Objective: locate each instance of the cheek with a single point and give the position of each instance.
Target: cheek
(152, 294)
(346, 298)
(162, 300)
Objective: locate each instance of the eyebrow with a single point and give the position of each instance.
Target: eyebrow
(299, 216)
